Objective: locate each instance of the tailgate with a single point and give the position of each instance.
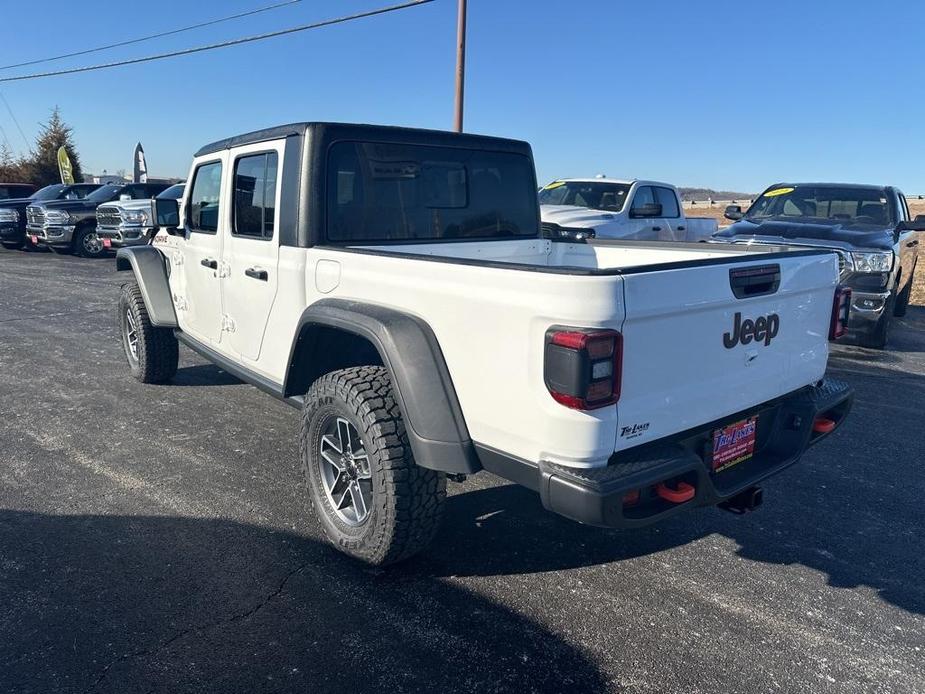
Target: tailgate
(707, 339)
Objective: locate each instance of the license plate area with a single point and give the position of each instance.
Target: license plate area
(734, 444)
(107, 243)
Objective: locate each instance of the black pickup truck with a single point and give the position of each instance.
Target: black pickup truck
(13, 210)
(70, 226)
(868, 226)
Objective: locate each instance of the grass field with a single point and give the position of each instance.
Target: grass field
(915, 207)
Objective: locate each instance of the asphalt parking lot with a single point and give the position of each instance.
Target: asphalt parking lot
(155, 539)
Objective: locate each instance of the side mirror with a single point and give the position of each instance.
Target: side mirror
(167, 213)
(649, 210)
(917, 224)
(733, 212)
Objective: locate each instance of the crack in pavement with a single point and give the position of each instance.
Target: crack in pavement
(147, 652)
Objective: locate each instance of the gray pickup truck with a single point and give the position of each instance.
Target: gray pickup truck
(870, 228)
(69, 226)
(131, 222)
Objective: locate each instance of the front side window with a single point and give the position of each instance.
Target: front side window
(102, 194)
(644, 196)
(255, 195)
(202, 211)
(669, 202)
(855, 206)
(380, 192)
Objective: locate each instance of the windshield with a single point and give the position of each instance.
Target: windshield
(861, 206)
(596, 195)
(104, 194)
(48, 192)
(175, 192)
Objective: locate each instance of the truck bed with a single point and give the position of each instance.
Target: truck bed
(491, 304)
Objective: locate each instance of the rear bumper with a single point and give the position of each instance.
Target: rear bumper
(623, 494)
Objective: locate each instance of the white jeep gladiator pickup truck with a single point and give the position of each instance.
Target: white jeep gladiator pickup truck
(393, 284)
(580, 208)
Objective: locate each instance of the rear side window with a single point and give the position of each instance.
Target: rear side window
(255, 195)
(202, 212)
(381, 192)
(669, 202)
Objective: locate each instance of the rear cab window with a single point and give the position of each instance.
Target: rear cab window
(669, 201)
(383, 192)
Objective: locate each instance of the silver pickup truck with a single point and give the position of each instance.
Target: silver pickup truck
(130, 222)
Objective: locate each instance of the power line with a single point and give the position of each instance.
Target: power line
(16, 122)
(223, 44)
(140, 39)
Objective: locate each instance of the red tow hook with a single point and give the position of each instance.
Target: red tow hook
(823, 425)
(684, 492)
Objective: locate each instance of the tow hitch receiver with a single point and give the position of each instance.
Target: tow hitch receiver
(743, 502)
(683, 492)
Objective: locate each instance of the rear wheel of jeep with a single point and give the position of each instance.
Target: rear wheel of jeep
(373, 501)
(152, 352)
(87, 243)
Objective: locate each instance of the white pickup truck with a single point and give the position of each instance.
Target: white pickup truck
(393, 284)
(580, 208)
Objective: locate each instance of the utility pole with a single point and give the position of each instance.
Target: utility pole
(460, 64)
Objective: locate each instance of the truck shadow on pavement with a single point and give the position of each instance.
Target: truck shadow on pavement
(203, 375)
(851, 509)
(118, 604)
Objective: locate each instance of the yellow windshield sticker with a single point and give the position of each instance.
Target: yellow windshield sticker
(778, 191)
(554, 184)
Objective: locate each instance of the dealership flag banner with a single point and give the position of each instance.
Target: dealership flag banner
(141, 166)
(64, 166)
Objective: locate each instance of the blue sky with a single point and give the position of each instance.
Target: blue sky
(731, 95)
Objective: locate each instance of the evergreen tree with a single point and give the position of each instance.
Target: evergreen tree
(43, 167)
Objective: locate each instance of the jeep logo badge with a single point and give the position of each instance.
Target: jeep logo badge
(763, 329)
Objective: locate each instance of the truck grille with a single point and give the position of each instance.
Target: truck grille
(35, 216)
(108, 216)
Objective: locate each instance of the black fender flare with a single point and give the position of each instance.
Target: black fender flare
(410, 352)
(148, 265)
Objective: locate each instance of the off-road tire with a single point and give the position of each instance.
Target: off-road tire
(157, 351)
(407, 500)
(81, 245)
(902, 301)
(12, 245)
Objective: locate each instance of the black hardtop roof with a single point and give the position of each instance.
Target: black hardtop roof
(371, 133)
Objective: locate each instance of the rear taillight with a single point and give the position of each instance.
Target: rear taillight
(583, 368)
(841, 307)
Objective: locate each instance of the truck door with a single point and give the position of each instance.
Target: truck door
(251, 247)
(640, 227)
(674, 227)
(195, 281)
(907, 244)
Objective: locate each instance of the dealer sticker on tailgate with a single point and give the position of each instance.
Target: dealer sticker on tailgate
(734, 444)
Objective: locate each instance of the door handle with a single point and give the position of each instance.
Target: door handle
(680, 228)
(209, 263)
(656, 228)
(256, 274)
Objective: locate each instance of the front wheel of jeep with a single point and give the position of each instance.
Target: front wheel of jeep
(373, 501)
(152, 352)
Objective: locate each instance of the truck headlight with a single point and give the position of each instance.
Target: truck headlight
(57, 217)
(872, 262)
(8, 215)
(135, 216)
